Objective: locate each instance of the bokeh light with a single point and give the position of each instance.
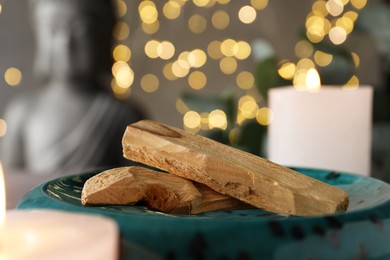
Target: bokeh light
(197, 23)
(197, 58)
(220, 20)
(13, 76)
(171, 10)
(121, 53)
(148, 12)
(247, 14)
(259, 4)
(352, 83)
(149, 83)
(337, 35)
(228, 65)
(287, 70)
(121, 31)
(197, 80)
(243, 50)
(217, 119)
(214, 50)
(264, 116)
(192, 120)
(248, 107)
(165, 50)
(322, 59)
(245, 80)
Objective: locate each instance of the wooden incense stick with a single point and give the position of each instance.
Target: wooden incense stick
(244, 176)
(163, 192)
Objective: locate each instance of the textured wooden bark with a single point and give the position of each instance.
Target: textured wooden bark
(244, 176)
(164, 192)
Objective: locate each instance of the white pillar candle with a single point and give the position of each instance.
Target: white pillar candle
(53, 234)
(325, 129)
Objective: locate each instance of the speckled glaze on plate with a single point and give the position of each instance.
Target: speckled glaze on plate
(360, 233)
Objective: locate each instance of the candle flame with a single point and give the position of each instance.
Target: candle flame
(312, 82)
(2, 196)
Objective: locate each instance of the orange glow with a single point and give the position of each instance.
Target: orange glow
(313, 82)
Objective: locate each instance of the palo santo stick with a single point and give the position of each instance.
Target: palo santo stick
(244, 176)
(160, 191)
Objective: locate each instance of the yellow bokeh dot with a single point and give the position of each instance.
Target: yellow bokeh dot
(197, 58)
(335, 7)
(179, 71)
(191, 119)
(121, 53)
(220, 20)
(214, 50)
(3, 127)
(303, 49)
(243, 50)
(229, 47)
(247, 14)
(122, 8)
(151, 49)
(151, 28)
(181, 107)
(259, 4)
(287, 70)
(223, 2)
(228, 65)
(149, 83)
(245, 80)
(305, 64)
(197, 23)
(171, 10)
(197, 80)
(264, 116)
(337, 35)
(217, 119)
(319, 8)
(168, 73)
(123, 74)
(121, 31)
(352, 83)
(148, 12)
(351, 15)
(165, 50)
(322, 59)
(359, 4)
(201, 3)
(13, 76)
(248, 107)
(119, 92)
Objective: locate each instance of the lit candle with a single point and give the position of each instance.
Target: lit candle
(326, 127)
(53, 234)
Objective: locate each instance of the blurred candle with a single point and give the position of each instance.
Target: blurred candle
(326, 127)
(52, 234)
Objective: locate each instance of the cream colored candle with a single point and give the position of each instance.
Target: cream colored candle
(52, 234)
(329, 128)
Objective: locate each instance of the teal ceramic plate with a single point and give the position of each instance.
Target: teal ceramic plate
(362, 231)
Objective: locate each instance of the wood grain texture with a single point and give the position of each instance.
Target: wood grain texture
(249, 178)
(159, 191)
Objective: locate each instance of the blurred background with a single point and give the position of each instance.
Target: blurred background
(207, 65)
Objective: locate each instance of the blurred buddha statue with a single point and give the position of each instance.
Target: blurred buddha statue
(72, 121)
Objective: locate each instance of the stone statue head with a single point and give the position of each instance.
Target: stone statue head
(74, 39)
